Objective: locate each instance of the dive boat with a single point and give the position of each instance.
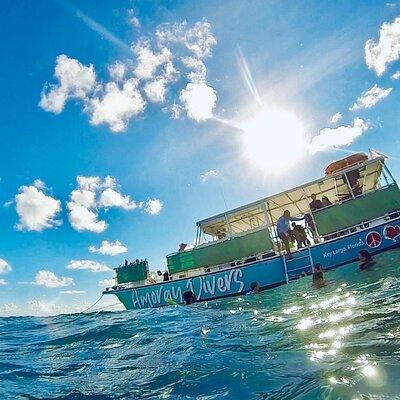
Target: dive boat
(240, 247)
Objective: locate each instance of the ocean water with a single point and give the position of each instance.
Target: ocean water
(292, 342)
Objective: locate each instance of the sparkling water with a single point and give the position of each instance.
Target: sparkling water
(292, 342)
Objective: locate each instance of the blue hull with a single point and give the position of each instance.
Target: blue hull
(268, 273)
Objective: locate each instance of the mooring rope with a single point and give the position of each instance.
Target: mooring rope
(87, 309)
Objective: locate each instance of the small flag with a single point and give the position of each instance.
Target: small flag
(376, 154)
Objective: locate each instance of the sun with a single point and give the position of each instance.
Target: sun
(273, 139)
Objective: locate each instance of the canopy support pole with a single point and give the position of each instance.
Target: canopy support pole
(349, 186)
(198, 233)
(274, 229)
(312, 216)
(364, 180)
(388, 172)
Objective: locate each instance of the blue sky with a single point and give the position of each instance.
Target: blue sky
(154, 95)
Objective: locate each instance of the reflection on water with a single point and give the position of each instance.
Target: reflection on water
(293, 342)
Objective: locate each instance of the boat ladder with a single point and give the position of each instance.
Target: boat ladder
(305, 260)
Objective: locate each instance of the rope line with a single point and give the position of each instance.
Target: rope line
(87, 309)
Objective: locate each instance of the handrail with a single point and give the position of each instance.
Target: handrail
(361, 223)
(354, 198)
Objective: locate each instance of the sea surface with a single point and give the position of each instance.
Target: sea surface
(292, 342)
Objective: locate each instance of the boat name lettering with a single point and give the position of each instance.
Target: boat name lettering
(156, 297)
(216, 284)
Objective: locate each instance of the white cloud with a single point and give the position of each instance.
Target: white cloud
(156, 90)
(116, 102)
(9, 309)
(336, 118)
(332, 138)
(84, 219)
(117, 71)
(378, 55)
(88, 182)
(176, 111)
(109, 248)
(4, 266)
(50, 280)
(169, 72)
(92, 194)
(370, 98)
(111, 198)
(396, 75)
(148, 61)
(153, 206)
(83, 197)
(74, 81)
(36, 210)
(2, 282)
(39, 184)
(212, 173)
(39, 307)
(72, 291)
(89, 265)
(199, 101)
(198, 69)
(109, 182)
(199, 39)
(132, 19)
(106, 283)
(115, 106)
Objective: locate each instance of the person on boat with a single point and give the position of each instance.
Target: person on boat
(283, 229)
(326, 202)
(318, 277)
(152, 278)
(315, 204)
(353, 179)
(300, 235)
(159, 276)
(365, 259)
(189, 297)
(221, 233)
(182, 247)
(166, 276)
(126, 262)
(254, 288)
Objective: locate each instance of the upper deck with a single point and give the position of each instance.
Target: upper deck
(356, 194)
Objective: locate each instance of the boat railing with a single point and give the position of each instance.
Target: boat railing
(361, 225)
(350, 198)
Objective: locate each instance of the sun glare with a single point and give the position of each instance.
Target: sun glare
(274, 139)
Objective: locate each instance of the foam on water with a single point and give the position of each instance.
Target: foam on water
(292, 342)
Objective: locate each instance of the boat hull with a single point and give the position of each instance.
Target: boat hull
(267, 273)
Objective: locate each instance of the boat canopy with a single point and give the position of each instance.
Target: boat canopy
(335, 187)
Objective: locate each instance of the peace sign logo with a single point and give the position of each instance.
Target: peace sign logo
(373, 239)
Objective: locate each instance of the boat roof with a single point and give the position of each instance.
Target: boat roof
(296, 200)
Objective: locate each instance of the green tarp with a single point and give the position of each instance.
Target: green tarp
(220, 252)
(352, 212)
(132, 273)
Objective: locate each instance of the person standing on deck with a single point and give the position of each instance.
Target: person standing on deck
(283, 229)
(315, 204)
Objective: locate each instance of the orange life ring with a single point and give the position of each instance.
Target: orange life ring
(345, 163)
